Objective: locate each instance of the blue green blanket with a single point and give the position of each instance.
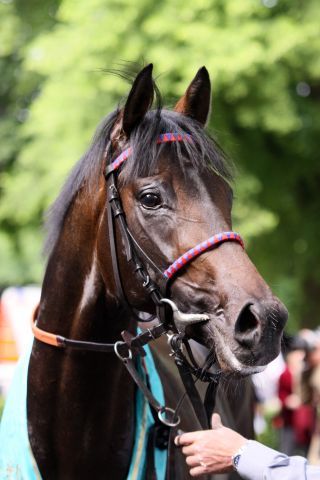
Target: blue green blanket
(16, 458)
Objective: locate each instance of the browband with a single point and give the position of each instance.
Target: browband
(163, 138)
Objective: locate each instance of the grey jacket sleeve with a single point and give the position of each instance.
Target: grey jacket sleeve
(258, 462)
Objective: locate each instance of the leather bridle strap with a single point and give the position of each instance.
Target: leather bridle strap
(133, 253)
(134, 344)
(115, 212)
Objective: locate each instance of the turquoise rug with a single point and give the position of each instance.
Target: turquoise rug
(16, 458)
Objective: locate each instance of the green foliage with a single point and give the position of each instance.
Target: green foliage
(19, 240)
(259, 58)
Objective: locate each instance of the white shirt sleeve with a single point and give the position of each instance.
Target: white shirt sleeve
(258, 462)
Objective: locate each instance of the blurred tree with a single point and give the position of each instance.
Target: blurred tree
(264, 60)
(19, 24)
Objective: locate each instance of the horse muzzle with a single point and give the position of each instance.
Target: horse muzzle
(253, 341)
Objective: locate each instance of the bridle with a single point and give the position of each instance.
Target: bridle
(171, 321)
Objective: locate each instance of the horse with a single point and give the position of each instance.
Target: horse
(170, 190)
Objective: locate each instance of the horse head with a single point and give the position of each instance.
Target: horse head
(175, 195)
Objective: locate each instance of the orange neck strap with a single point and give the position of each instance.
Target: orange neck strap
(42, 335)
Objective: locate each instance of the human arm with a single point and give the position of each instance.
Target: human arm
(259, 462)
(211, 451)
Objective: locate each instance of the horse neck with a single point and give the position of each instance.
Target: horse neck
(74, 396)
(73, 288)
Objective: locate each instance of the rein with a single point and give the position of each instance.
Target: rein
(172, 321)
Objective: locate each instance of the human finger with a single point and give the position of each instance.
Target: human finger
(189, 449)
(187, 438)
(216, 421)
(194, 460)
(197, 471)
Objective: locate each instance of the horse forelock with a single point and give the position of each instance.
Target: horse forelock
(201, 152)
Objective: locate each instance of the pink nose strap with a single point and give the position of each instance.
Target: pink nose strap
(201, 248)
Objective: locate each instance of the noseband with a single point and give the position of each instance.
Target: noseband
(172, 322)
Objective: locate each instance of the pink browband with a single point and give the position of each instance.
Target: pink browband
(163, 138)
(201, 247)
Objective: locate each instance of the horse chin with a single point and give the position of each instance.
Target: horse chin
(227, 361)
(229, 364)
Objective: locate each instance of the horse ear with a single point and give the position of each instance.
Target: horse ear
(139, 100)
(195, 103)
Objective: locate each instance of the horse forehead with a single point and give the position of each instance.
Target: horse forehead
(204, 187)
(190, 186)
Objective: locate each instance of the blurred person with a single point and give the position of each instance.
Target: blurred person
(288, 393)
(266, 392)
(222, 450)
(310, 390)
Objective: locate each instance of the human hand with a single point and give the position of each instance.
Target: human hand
(210, 451)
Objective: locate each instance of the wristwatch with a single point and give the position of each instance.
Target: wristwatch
(236, 457)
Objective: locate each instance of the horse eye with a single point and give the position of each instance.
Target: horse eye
(150, 200)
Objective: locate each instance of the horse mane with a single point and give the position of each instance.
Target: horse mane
(85, 172)
(203, 152)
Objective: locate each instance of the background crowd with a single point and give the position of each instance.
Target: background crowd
(288, 410)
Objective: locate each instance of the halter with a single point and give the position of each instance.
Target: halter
(202, 247)
(173, 322)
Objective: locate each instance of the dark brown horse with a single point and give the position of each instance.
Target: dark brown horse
(80, 405)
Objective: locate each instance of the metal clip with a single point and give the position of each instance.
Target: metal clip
(182, 320)
(113, 193)
(168, 417)
(175, 341)
(116, 351)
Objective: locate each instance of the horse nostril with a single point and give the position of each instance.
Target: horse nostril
(247, 328)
